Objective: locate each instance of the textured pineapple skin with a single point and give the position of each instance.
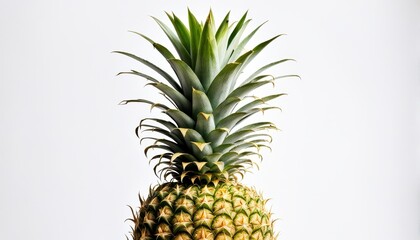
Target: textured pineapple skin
(207, 212)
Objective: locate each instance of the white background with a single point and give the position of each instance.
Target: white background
(345, 165)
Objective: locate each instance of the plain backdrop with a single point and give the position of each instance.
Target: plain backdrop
(345, 165)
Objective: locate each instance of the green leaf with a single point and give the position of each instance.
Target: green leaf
(245, 145)
(245, 135)
(259, 101)
(257, 126)
(184, 157)
(242, 44)
(186, 76)
(180, 101)
(265, 67)
(226, 79)
(257, 145)
(181, 30)
(217, 166)
(238, 164)
(228, 157)
(162, 49)
(232, 46)
(154, 67)
(153, 105)
(240, 26)
(212, 158)
(195, 141)
(223, 148)
(218, 90)
(223, 28)
(242, 58)
(237, 136)
(230, 121)
(256, 50)
(159, 157)
(164, 132)
(200, 103)
(206, 63)
(156, 146)
(133, 72)
(181, 119)
(176, 147)
(195, 33)
(205, 124)
(287, 76)
(233, 119)
(190, 135)
(225, 108)
(182, 52)
(169, 125)
(217, 136)
(222, 38)
(164, 169)
(249, 87)
(201, 149)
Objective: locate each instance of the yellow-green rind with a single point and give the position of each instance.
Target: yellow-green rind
(198, 212)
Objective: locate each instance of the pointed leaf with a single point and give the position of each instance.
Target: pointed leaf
(200, 145)
(200, 165)
(186, 76)
(249, 87)
(154, 67)
(186, 157)
(182, 52)
(180, 118)
(217, 136)
(195, 33)
(153, 105)
(181, 102)
(225, 108)
(259, 101)
(181, 30)
(212, 158)
(201, 149)
(205, 124)
(228, 157)
(169, 125)
(223, 28)
(258, 126)
(223, 148)
(237, 136)
(256, 50)
(225, 80)
(155, 146)
(133, 72)
(218, 90)
(262, 69)
(238, 28)
(220, 166)
(200, 103)
(165, 133)
(222, 38)
(162, 49)
(230, 121)
(232, 46)
(190, 135)
(242, 44)
(206, 63)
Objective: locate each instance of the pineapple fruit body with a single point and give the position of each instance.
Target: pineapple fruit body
(205, 143)
(207, 212)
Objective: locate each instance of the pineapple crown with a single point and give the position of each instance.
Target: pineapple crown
(204, 139)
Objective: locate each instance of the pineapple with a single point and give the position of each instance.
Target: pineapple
(203, 147)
